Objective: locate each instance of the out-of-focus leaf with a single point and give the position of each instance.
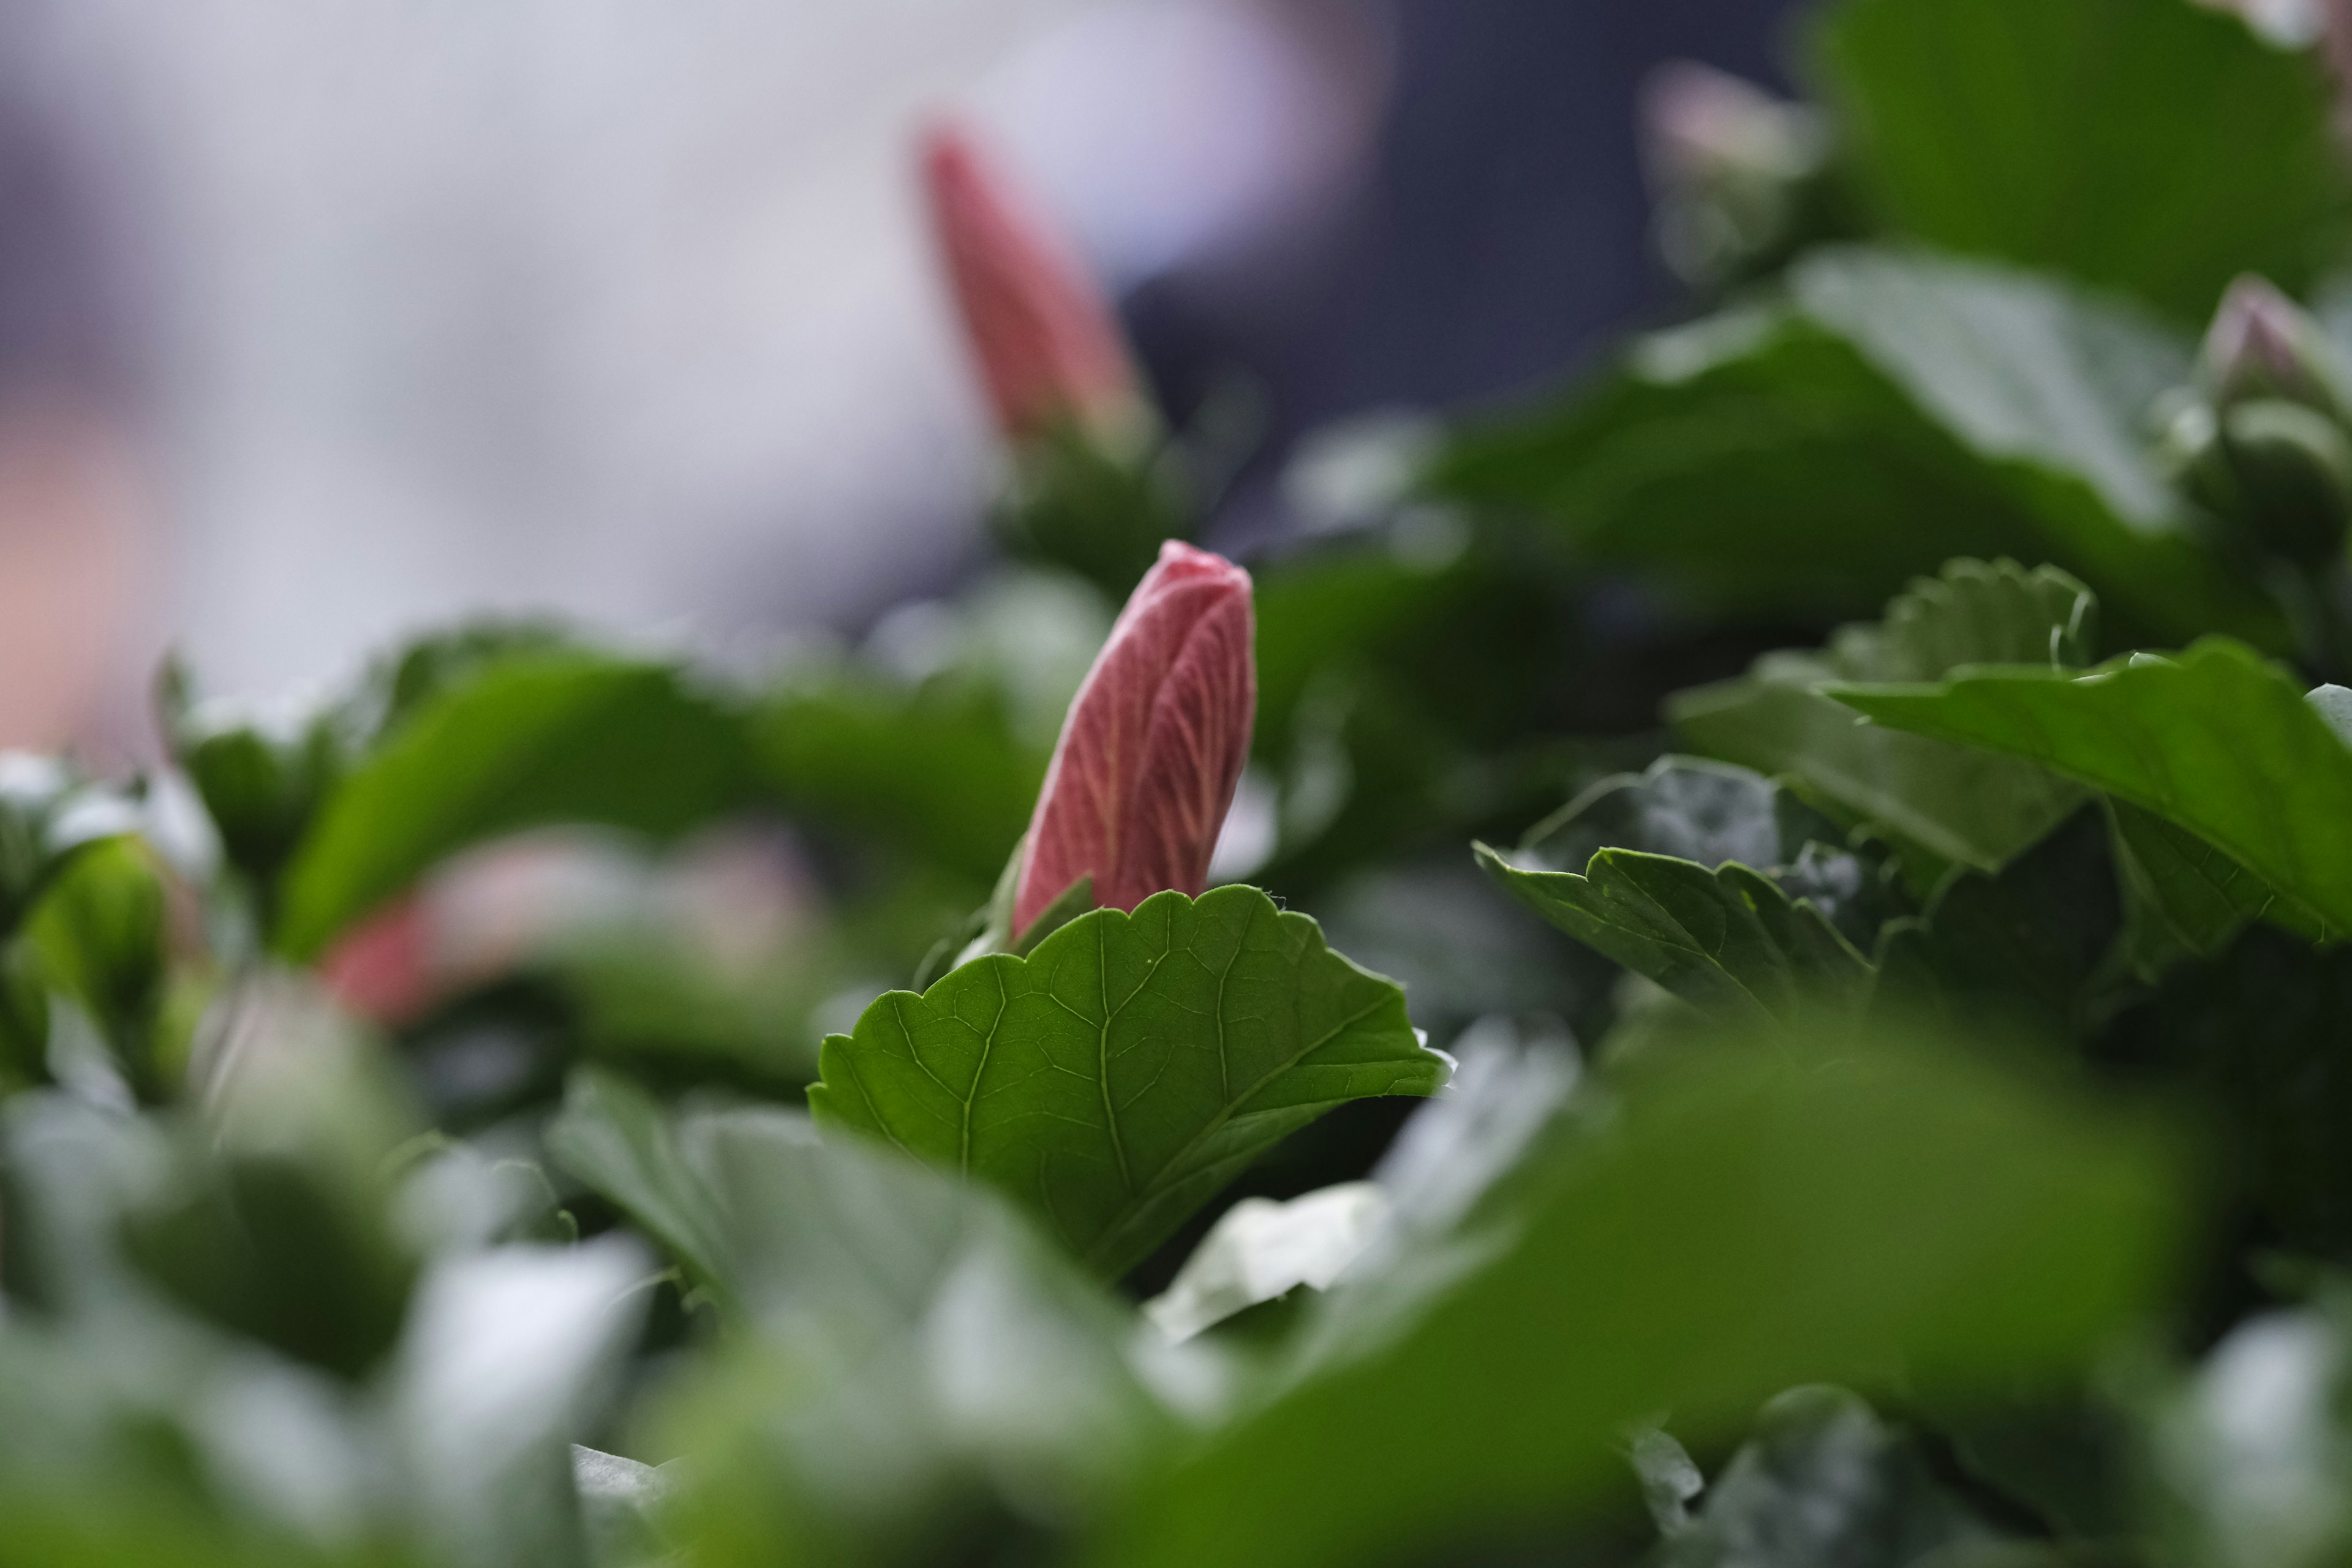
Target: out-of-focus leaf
(1753, 1220)
(505, 1360)
(1824, 1483)
(274, 1218)
(1753, 459)
(1960, 805)
(99, 929)
(2255, 1039)
(928, 1370)
(940, 770)
(1126, 1070)
(49, 815)
(2159, 148)
(2253, 1454)
(617, 1137)
(623, 1509)
(534, 740)
(1099, 513)
(1260, 1251)
(2217, 740)
(2027, 947)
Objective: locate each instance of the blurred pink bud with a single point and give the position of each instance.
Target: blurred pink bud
(2264, 344)
(1702, 127)
(1048, 347)
(381, 968)
(1153, 746)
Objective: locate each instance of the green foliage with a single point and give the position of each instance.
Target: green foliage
(2151, 146)
(1125, 1071)
(1754, 460)
(1713, 882)
(1945, 804)
(1824, 1481)
(570, 737)
(1100, 512)
(1759, 1218)
(1164, 1235)
(2217, 741)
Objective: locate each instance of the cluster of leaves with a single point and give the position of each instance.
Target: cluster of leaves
(1890, 1113)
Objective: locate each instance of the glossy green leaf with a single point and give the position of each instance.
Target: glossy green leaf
(1755, 459)
(1711, 880)
(1121, 1074)
(2148, 145)
(2217, 740)
(1727, 940)
(534, 740)
(1756, 1220)
(1713, 815)
(1960, 805)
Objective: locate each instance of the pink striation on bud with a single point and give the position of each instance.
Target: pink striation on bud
(1154, 743)
(1048, 347)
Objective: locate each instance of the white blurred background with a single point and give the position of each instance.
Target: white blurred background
(603, 306)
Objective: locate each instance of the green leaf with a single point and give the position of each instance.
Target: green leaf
(2028, 946)
(1121, 1074)
(2148, 145)
(617, 1137)
(937, 769)
(537, 739)
(2187, 897)
(1727, 940)
(2218, 741)
(1702, 811)
(2255, 1039)
(925, 1367)
(486, 1415)
(1750, 1220)
(1959, 805)
(1752, 460)
(100, 931)
(1824, 1481)
(1712, 881)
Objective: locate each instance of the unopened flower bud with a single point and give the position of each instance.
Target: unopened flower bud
(1733, 168)
(1048, 348)
(2278, 472)
(1153, 746)
(2262, 345)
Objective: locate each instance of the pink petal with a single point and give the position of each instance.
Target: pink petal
(380, 969)
(1154, 743)
(1048, 347)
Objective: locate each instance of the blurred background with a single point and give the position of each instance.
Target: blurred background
(318, 325)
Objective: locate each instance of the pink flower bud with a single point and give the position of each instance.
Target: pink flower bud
(1047, 345)
(382, 969)
(2264, 344)
(1702, 127)
(1154, 743)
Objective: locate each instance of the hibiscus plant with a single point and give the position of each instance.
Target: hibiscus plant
(1739, 965)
